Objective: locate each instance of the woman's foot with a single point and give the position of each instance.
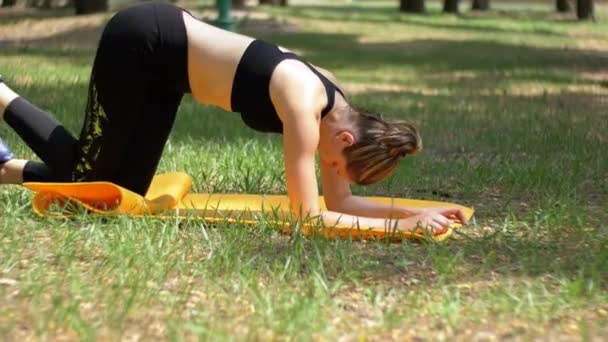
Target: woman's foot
(6, 96)
(5, 153)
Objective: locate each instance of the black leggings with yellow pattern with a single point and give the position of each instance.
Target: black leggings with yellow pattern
(138, 79)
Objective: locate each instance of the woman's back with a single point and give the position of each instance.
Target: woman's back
(213, 57)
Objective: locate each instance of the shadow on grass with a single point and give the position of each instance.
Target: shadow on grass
(467, 21)
(336, 51)
(77, 41)
(499, 256)
(344, 50)
(14, 15)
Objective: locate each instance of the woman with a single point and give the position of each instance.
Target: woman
(150, 55)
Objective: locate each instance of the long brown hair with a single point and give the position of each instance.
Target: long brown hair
(379, 146)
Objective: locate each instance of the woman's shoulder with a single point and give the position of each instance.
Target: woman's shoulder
(296, 88)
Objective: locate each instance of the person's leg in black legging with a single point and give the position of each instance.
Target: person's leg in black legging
(47, 138)
(133, 85)
(121, 100)
(125, 130)
(117, 93)
(126, 122)
(116, 103)
(148, 140)
(50, 140)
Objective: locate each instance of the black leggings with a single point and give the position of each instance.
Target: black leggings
(139, 76)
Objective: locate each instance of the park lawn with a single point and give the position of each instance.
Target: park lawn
(512, 106)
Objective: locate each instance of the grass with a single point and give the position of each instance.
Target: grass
(512, 108)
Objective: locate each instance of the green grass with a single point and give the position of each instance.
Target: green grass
(512, 109)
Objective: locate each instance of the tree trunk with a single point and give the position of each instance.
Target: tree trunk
(90, 6)
(563, 6)
(584, 9)
(450, 6)
(238, 3)
(412, 6)
(8, 3)
(480, 5)
(274, 2)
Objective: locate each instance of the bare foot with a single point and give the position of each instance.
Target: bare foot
(11, 172)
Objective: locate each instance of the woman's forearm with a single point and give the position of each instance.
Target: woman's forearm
(332, 218)
(360, 206)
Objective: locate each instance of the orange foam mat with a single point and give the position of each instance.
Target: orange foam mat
(169, 197)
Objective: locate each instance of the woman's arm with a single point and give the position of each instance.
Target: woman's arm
(304, 202)
(299, 110)
(300, 142)
(338, 197)
(295, 97)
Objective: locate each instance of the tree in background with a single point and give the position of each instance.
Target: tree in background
(412, 6)
(450, 6)
(563, 5)
(584, 9)
(274, 2)
(90, 6)
(480, 5)
(8, 3)
(238, 3)
(38, 3)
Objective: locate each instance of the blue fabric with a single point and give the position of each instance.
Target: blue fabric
(5, 153)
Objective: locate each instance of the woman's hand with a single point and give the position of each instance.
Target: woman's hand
(435, 220)
(455, 214)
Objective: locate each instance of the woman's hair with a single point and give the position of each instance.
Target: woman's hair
(379, 146)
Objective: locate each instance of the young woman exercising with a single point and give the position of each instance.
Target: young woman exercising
(149, 55)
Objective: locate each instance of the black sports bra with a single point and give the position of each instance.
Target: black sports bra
(250, 88)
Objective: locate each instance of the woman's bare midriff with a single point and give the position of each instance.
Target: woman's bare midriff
(213, 56)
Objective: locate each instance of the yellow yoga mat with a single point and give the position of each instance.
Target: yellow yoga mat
(169, 196)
